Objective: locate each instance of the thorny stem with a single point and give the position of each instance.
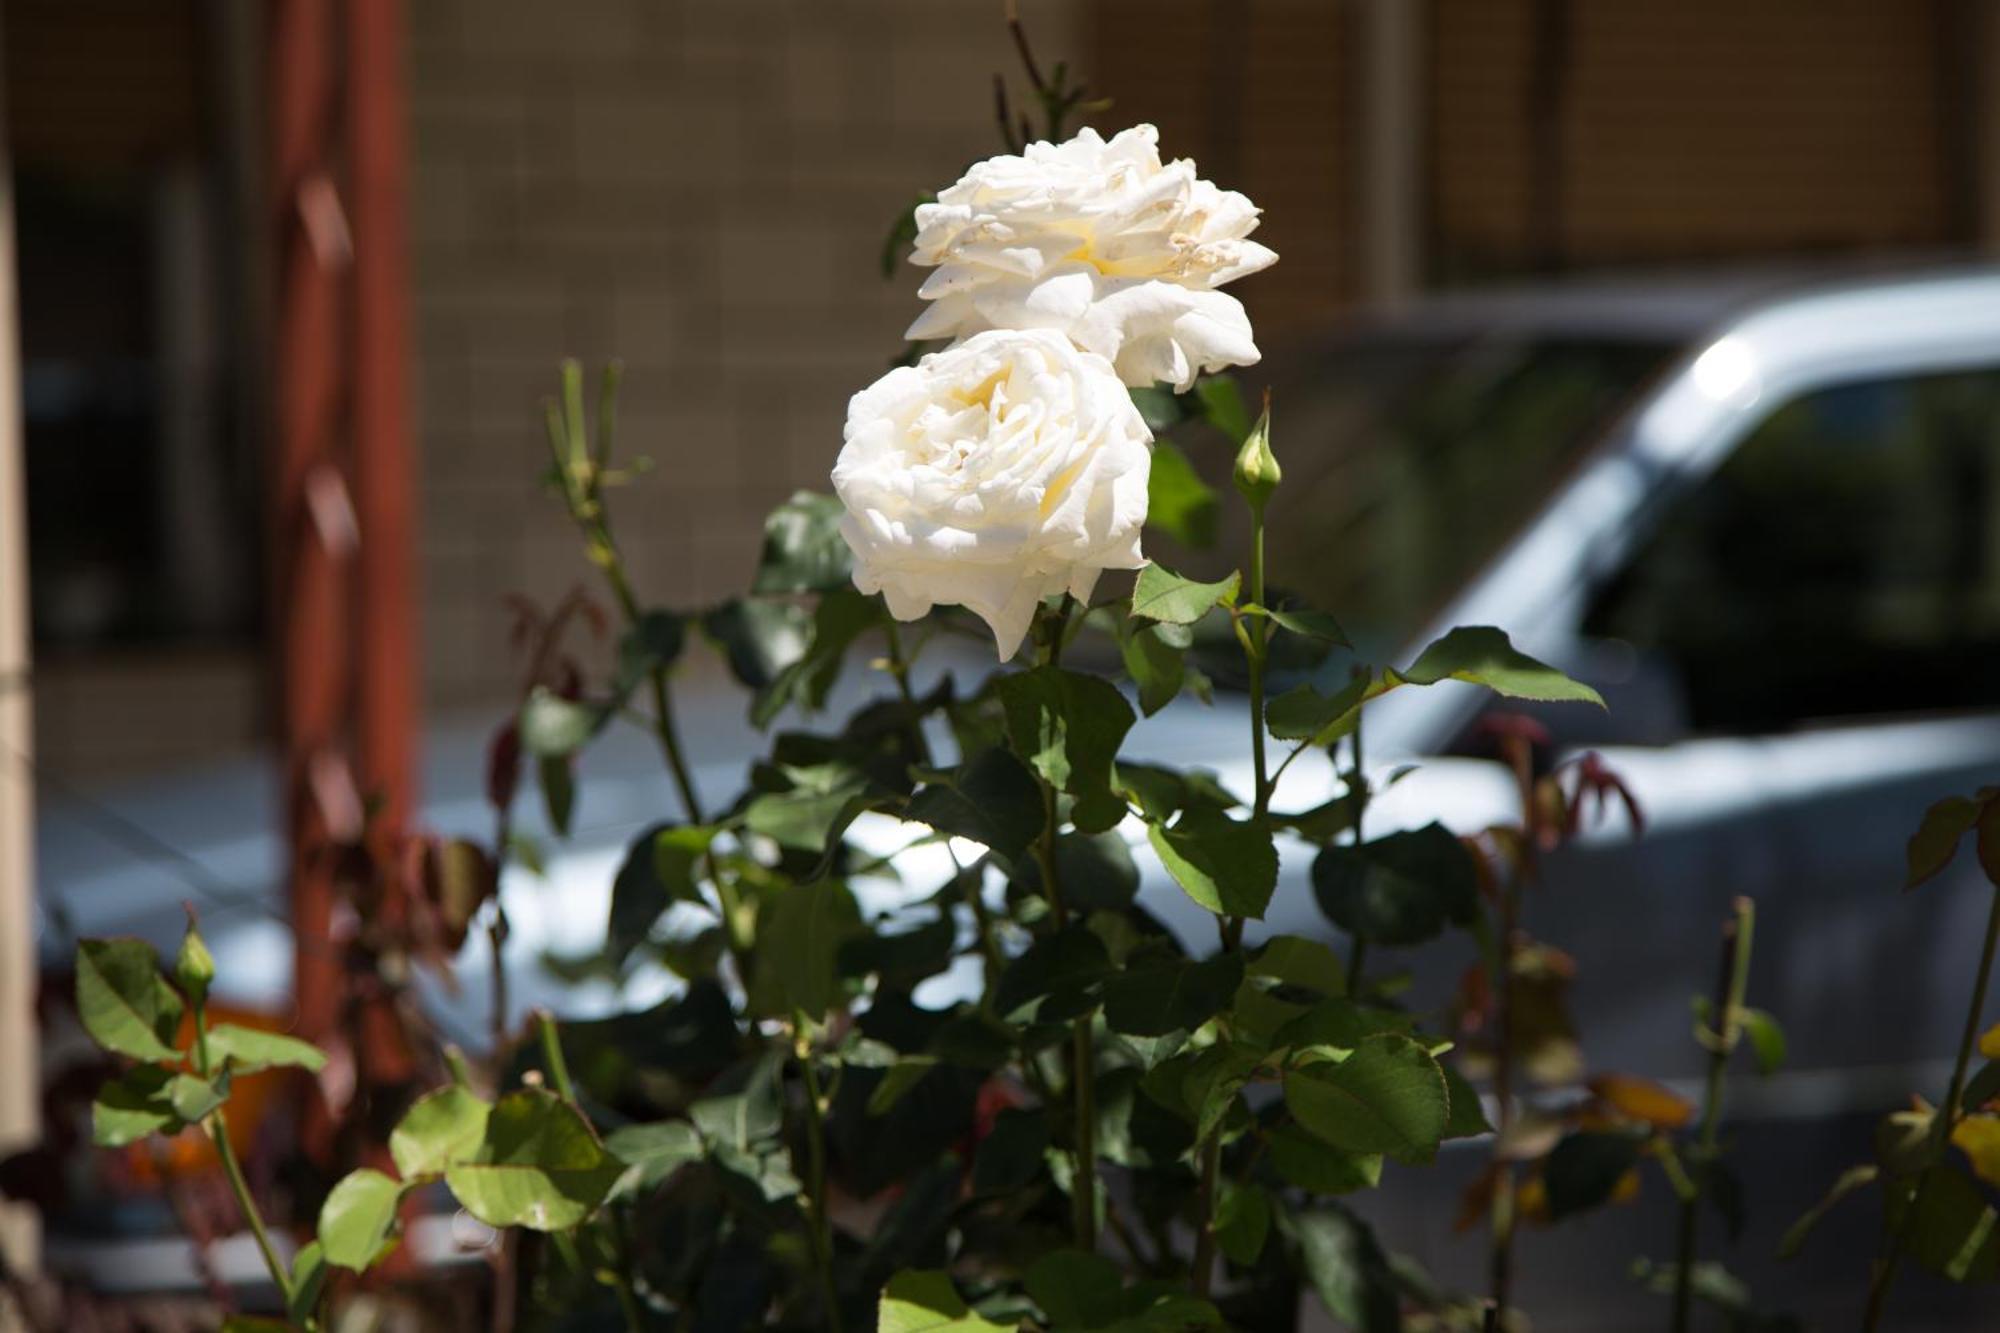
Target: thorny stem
(822, 1225)
(1083, 1054)
(620, 1271)
(1947, 1119)
(1730, 987)
(1254, 634)
(1358, 794)
(217, 1126)
(1501, 1257)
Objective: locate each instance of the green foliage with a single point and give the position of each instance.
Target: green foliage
(1387, 1095)
(1228, 866)
(1482, 655)
(1402, 889)
(1162, 595)
(1178, 502)
(125, 1004)
(538, 1165)
(357, 1217)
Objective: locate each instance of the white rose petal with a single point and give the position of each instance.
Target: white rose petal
(1100, 242)
(1007, 468)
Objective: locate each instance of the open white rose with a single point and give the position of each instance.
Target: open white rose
(1098, 241)
(992, 474)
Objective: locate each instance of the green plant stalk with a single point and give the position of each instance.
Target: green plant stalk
(1947, 1119)
(1357, 786)
(217, 1125)
(582, 493)
(1500, 1258)
(1733, 983)
(822, 1224)
(1083, 1052)
(620, 1272)
(1254, 634)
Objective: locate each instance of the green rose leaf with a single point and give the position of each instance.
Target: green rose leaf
(1584, 1169)
(1178, 502)
(308, 1277)
(658, 871)
(1068, 727)
(1076, 1290)
(1850, 1180)
(1230, 868)
(759, 637)
(357, 1217)
(1389, 1096)
(539, 1166)
(803, 550)
(924, 1301)
(1308, 623)
(1936, 839)
(1058, 977)
(126, 1005)
(443, 1128)
(1398, 890)
(1767, 1039)
(1468, 1116)
(558, 783)
(1304, 713)
(1095, 870)
(1160, 594)
(653, 643)
(804, 814)
(1222, 406)
(1155, 657)
(1154, 998)
(906, 1073)
(1483, 655)
(992, 799)
(800, 932)
(653, 1152)
(147, 1100)
(1348, 1268)
(1306, 1162)
(553, 727)
(1010, 1156)
(842, 616)
(1956, 1232)
(1243, 1222)
(247, 1049)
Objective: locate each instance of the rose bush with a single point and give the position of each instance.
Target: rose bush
(1005, 469)
(792, 1139)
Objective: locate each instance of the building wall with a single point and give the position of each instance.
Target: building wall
(701, 188)
(1695, 130)
(1258, 93)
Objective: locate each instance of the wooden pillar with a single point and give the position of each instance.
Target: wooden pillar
(385, 481)
(312, 538)
(1391, 148)
(20, 1069)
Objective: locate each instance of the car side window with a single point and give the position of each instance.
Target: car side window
(1844, 561)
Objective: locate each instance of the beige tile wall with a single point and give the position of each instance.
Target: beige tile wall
(701, 188)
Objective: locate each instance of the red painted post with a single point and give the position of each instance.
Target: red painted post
(384, 476)
(310, 592)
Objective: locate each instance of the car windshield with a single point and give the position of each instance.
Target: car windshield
(1409, 462)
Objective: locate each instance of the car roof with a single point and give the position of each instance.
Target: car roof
(1669, 305)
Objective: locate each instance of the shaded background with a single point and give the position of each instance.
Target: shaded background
(703, 189)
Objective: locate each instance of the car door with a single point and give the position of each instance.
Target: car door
(1801, 654)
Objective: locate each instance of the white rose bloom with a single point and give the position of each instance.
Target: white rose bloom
(1002, 470)
(1099, 241)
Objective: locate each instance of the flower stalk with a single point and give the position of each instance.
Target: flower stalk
(1885, 1268)
(1728, 1031)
